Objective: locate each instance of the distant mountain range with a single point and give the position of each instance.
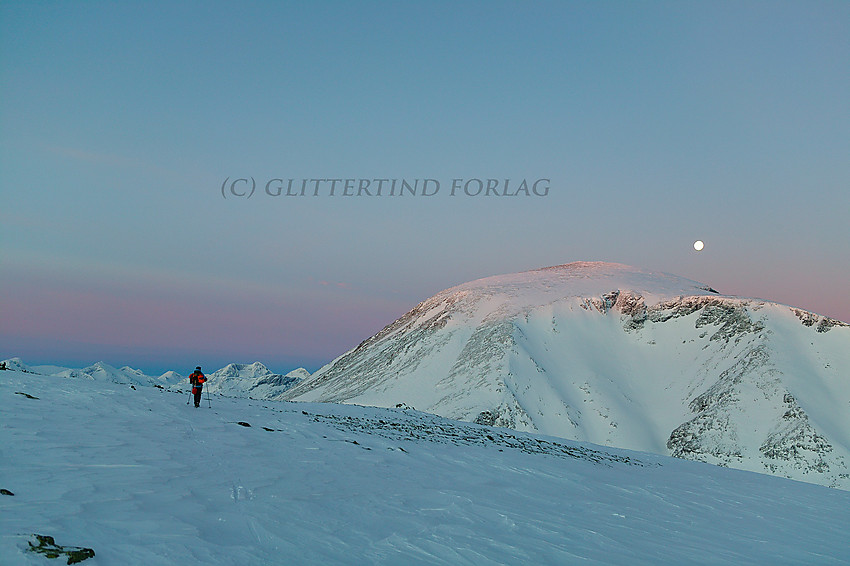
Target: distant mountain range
(234, 380)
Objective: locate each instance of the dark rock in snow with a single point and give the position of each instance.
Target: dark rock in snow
(47, 546)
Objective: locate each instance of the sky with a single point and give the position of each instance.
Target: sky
(131, 135)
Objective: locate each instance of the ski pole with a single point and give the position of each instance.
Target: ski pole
(190, 397)
(208, 398)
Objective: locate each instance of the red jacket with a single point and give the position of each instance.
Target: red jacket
(197, 378)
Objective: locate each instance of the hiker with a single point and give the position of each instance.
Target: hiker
(197, 380)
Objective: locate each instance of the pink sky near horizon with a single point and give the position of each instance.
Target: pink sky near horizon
(86, 327)
(80, 322)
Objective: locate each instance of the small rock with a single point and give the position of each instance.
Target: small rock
(47, 546)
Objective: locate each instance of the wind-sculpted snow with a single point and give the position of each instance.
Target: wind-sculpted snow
(119, 474)
(618, 356)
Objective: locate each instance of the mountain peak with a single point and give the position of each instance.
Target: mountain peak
(586, 279)
(619, 356)
(242, 370)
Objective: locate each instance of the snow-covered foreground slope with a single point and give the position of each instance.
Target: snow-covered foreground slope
(144, 479)
(618, 356)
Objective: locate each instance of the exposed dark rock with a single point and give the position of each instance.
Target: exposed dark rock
(47, 546)
(807, 318)
(609, 300)
(796, 441)
(447, 432)
(824, 323)
(487, 418)
(710, 434)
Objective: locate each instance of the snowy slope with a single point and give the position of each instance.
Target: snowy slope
(618, 356)
(143, 479)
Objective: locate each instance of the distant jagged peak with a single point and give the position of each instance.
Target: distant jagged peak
(299, 373)
(255, 369)
(101, 365)
(171, 376)
(128, 369)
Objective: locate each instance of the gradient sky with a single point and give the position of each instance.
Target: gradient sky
(657, 123)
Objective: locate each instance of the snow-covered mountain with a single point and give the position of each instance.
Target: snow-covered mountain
(137, 477)
(171, 377)
(102, 371)
(99, 371)
(617, 356)
(253, 380)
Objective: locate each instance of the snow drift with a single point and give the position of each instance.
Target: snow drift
(617, 356)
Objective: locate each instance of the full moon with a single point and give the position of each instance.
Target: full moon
(698, 245)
